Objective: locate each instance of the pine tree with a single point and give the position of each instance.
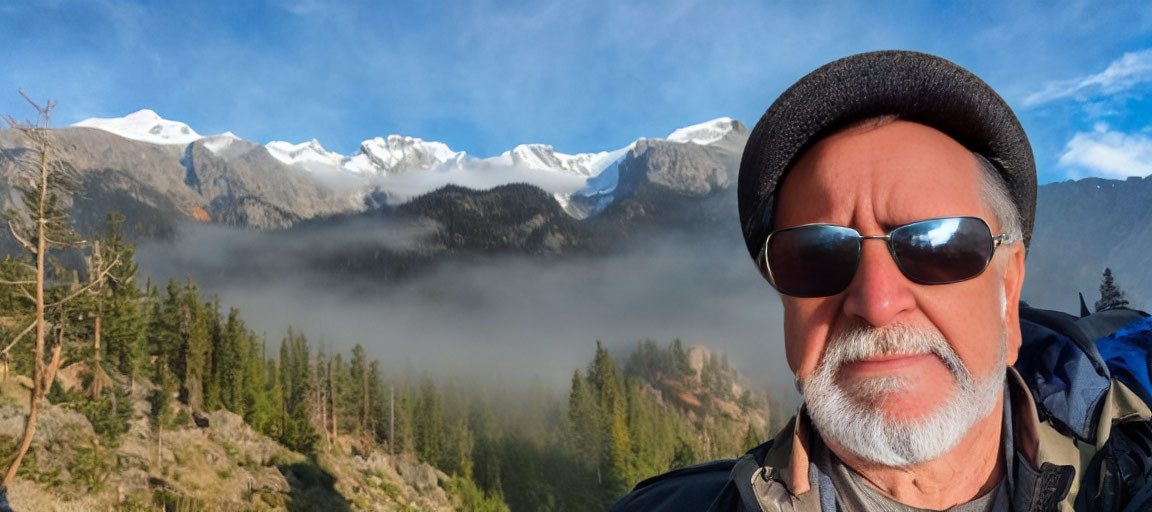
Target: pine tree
(273, 388)
(230, 354)
(378, 407)
(160, 401)
(616, 448)
(358, 392)
(164, 326)
(584, 423)
(258, 405)
(1111, 297)
(194, 345)
(125, 317)
(213, 398)
(428, 423)
(337, 393)
(297, 432)
(18, 304)
(319, 395)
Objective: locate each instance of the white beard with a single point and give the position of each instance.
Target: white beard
(852, 420)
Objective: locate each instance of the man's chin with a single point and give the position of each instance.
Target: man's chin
(890, 421)
(889, 438)
(906, 404)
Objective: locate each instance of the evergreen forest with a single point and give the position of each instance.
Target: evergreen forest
(626, 417)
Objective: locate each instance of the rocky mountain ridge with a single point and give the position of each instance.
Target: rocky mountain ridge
(204, 180)
(163, 173)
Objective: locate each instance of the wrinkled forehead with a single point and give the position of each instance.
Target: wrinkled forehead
(898, 172)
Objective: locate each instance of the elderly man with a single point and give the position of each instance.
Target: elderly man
(888, 197)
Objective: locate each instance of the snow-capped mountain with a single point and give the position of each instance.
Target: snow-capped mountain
(395, 154)
(397, 168)
(147, 126)
(398, 154)
(705, 133)
(404, 167)
(309, 155)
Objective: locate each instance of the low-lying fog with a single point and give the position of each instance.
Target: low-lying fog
(511, 318)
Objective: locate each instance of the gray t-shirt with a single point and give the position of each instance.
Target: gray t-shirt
(853, 494)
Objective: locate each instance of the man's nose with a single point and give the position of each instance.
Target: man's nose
(879, 292)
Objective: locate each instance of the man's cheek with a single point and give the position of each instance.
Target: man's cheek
(804, 350)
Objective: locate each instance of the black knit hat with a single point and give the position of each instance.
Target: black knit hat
(914, 86)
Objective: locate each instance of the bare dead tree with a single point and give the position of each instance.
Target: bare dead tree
(42, 226)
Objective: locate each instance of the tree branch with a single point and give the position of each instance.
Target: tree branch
(87, 287)
(17, 338)
(16, 234)
(53, 366)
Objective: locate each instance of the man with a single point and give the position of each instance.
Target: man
(889, 198)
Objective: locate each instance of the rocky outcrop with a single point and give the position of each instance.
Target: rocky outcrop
(688, 169)
(222, 464)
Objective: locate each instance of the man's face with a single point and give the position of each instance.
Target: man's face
(874, 179)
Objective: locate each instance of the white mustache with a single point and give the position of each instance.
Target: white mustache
(860, 343)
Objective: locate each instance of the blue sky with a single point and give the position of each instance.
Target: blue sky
(583, 76)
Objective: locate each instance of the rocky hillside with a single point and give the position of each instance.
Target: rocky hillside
(703, 384)
(209, 462)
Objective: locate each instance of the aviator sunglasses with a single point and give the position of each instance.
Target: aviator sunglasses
(820, 260)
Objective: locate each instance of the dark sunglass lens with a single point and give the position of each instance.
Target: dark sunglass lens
(943, 250)
(813, 261)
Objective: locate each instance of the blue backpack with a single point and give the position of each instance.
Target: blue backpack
(1069, 364)
(1068, 361)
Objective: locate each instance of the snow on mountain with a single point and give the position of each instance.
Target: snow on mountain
(545, 157)
(218, 143)
(144, 125)
(704, 133)
(406, 166)
(397, 154)
(311, 155)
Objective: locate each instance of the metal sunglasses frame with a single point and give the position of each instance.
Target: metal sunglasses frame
(995, 240)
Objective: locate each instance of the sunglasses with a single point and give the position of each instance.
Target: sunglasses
(820, 260)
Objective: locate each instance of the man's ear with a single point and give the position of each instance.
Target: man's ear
(1012, 279)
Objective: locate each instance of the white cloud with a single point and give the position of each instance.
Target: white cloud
(1124, 73)
(1108, 154)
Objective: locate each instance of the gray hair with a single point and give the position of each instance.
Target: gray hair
(995, 193)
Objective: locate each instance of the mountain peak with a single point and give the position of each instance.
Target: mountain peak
(144, 125)
(311, 155)
(705, 133)
(144, 114)
(400, 153)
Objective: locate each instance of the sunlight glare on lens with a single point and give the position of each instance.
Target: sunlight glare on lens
(940, 234)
